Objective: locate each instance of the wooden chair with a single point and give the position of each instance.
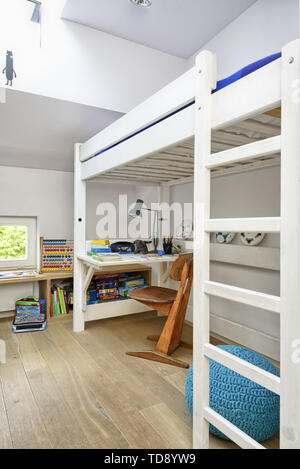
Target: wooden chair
(173, 304)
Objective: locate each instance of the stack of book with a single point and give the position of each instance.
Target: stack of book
(113, 287)
(61, 296)
(103, 288)
(100, 246)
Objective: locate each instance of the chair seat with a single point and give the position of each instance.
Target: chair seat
(153, 294)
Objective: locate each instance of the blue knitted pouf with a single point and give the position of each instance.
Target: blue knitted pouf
(247, 405)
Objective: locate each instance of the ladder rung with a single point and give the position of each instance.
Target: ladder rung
(243, 153)
(242, 295)
(261, 224)
(231, 431)
(252, 372)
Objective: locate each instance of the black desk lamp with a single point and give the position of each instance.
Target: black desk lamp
(137, 212)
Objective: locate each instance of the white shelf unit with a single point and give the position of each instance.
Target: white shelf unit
(237, 129)
(110, 309)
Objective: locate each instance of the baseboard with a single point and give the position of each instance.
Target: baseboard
(237, 333)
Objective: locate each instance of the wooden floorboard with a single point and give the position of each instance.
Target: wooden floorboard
(59, 389)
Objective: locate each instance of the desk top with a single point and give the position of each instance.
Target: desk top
(125, 259)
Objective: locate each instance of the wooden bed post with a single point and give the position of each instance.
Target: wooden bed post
(290, 249)
(79, 242)
(205, 81)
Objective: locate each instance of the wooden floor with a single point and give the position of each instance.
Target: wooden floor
(64, 390)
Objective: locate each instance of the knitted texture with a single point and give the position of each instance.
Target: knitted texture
(247, 405)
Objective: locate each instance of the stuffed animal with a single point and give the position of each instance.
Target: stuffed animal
(141, 246)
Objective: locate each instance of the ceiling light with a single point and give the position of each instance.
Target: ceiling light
(142, 3)
(36, 15)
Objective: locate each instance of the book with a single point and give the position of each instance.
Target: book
(57, 303)
(100, 242)
(66, 302)
(100, 249)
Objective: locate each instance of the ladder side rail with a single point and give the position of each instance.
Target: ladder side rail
(290, 249)
(205, 82)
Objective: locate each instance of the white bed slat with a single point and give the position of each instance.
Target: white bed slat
(162, 169)
(251, 125)
(230, 430)
(239, 154)
(244, 368)
(242, 295)
(261, 224)
(123, 180)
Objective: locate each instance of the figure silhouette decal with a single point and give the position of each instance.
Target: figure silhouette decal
(9, 69)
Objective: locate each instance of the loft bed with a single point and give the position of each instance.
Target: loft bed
(195, 129)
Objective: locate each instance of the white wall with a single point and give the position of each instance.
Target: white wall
(77, 63)
(260, 31)
(49, 196)
(251, 194)
(31, 192)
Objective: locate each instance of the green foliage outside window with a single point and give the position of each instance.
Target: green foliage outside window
(13, 242)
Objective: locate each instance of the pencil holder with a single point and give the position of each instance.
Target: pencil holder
(168, 248)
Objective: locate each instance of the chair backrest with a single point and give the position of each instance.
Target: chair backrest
(177, 267)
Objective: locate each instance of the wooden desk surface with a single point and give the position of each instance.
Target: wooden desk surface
(128, 259)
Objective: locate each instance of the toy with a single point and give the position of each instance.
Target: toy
(141, 246)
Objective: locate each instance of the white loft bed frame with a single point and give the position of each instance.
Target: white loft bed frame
(178, 147)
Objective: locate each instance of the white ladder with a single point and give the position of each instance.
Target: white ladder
(289, 145)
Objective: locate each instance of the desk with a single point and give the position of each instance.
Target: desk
(128, 263)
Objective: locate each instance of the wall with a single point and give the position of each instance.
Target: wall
(77, 63)
(31, 192)
(260, 31)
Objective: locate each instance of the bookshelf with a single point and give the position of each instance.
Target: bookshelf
(44, 280)
(107, 309)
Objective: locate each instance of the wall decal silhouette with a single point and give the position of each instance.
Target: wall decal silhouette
(9, 69)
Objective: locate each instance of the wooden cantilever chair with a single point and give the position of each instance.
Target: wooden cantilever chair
(173, 304)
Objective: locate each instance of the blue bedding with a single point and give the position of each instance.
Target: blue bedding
(220, 84)
(246, 71)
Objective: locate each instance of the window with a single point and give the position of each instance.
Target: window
(18, 242)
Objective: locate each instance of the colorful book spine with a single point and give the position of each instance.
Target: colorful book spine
(66, 302)
(100, 242)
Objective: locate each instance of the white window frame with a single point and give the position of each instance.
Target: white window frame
(31, 260)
